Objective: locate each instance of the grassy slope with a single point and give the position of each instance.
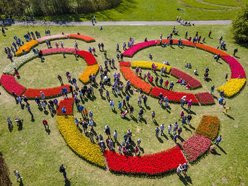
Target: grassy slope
(38, 155)
(160, 10)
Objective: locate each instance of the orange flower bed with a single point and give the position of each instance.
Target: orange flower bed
(87, 39)
(211, 49)
(209, 127)
(26, 47)
(128, 74)
(85, 75)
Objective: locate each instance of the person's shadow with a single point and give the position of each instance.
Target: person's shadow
(67, 182)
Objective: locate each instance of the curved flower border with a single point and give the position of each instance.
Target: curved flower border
(10, 84)
(175, 97)
(237, 71)
(31, 44)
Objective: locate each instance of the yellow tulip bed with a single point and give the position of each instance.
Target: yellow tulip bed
(26, 47)
(78, 142)
(232, 86)
(148, 65)
(84, 76)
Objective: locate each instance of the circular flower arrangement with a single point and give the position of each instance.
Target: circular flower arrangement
(150, 164)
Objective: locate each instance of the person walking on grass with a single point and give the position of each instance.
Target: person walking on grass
(18, 176)
(218, 140)
(157, 131)
(63, 171)
(162, 129)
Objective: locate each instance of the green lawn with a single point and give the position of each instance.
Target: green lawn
(163, 10)
(38, 155)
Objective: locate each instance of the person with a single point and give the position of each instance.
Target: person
(63, 171)
(156, 131)
(169, 128)
(153, 116)
(212, 89)
(10, 124)
(179, 169)
(196, 72)
(45, 123)
(18, 176)
(162, 129)
(226, 77)
(63, 110)
(218, 140)
(235, 52)
(115, 135)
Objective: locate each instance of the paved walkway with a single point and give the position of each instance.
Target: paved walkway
(125, 23)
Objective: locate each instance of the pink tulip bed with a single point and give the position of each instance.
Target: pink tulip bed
(195, 147)
(205, 98)
(236, 68)
(194, 83)
(137, 47)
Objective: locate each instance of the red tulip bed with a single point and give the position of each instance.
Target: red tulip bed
(205, 98)
(173, 96)
(87, 56)
(195, 147)
(128, 74)
(137, 47)
(236, 68)
(10, 84)
(31, 93)
(68, 104)
(125, 64)
(152, 164)
(209, 127)
(194, 83)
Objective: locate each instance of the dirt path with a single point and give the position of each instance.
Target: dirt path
(124, 23)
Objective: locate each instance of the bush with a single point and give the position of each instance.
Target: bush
(240, 27)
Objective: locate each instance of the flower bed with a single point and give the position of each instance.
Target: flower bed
(137, 47)
(173, 96)
(18, 62)
(31, 93)
(232, 87)
(205, 98)
(209, 127)
(26, 47)
(236, 68)
(87, 39)
(52, 37)
(68, 104)
(211, 49)
(78, 142)
(125, 64)
(128, 74)
(50, 51)
(195, 147)
(152, 164)
(10, 84)
(194, 83)
(85, 75)
(148, 65)
(88, 57)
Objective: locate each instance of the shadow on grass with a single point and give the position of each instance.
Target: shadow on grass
(222, 150)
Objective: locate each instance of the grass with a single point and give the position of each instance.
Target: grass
(164, 10)
(37, 155)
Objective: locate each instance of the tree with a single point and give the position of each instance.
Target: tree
(240, 27)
